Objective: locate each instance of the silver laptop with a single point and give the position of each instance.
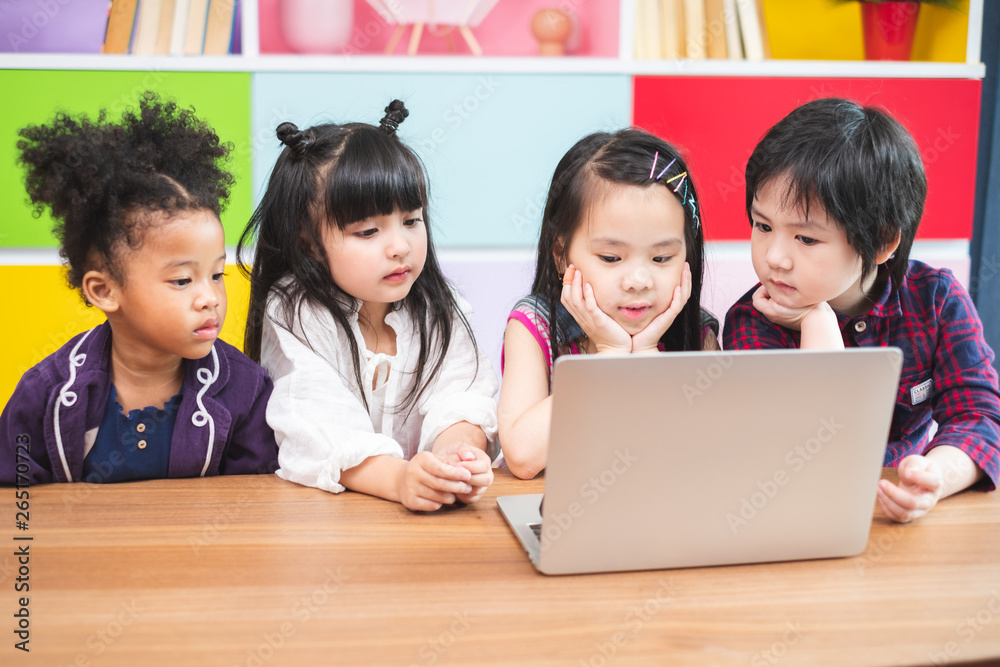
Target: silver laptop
(695, 458)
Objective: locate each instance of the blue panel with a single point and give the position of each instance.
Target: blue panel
(490, 141)
(985, 234)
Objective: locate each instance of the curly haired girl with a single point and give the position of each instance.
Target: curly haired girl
(152, 392)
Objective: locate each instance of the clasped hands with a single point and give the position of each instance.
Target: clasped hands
(456, 473)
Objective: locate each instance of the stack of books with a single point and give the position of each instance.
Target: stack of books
(170, 27)
(698, 29)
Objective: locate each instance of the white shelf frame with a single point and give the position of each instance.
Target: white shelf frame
(249, 28)
(519, 65)
(974, 40)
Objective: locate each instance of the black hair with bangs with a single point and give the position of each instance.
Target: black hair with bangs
(858, 163)
(336, 175)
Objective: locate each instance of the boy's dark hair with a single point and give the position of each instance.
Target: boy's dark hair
(595, 164)
(103, 180)
(859, 163)
(336, 175)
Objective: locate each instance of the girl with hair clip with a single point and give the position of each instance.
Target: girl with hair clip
(618, 271)
(379, 384)
(152, 392)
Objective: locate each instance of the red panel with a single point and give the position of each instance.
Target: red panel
(717, 121)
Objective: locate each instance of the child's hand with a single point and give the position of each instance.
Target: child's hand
(790, 318)
(477, 463)
(920, 485)
(606, 334)
(817, 322)
(648, 339)
(427, 482)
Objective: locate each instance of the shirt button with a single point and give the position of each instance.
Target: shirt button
(140, 428)
(142, 444)
(860, 326)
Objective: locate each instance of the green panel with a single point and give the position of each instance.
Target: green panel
(220, 99)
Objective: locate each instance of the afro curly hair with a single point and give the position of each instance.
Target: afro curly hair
(105, 181)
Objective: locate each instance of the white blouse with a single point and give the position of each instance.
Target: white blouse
(316, 410)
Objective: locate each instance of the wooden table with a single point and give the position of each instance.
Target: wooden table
(257, 571)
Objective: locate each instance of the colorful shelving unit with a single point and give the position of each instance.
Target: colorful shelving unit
(490, 130)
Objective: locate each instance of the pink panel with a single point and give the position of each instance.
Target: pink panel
(504, 32)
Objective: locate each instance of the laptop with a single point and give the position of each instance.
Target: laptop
(693, 459)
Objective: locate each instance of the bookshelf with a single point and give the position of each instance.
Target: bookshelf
(252, 59)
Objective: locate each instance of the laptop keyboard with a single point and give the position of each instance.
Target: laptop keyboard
(536, 528)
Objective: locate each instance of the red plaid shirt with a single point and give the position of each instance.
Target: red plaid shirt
(947, 375)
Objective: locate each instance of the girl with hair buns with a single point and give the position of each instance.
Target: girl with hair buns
(379, 385)
(152, 392)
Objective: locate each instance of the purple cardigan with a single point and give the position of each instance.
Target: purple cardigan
(57, 407)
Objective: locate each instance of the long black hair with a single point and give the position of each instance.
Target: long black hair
(859, 163)
(335, 175)
(102, 179)
(625, 157)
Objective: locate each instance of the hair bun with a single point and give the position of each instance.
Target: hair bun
(290, 135)
(395, 114)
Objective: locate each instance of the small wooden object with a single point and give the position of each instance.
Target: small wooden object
(551, 27)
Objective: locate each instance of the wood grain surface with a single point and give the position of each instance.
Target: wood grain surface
(255, 571)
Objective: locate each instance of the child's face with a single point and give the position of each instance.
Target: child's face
(378, 259)
(630, 247)
(173, 301)
(801, 260)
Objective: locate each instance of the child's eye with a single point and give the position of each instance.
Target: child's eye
(762, 227)
(412, 222)
(367, 233)
(217, 277)
(805, 240)
(180, 282)
(610, 259)
(663, 259)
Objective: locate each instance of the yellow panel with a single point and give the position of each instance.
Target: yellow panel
(827, 30)
(941, 34)
(45, 313)
(813, 30)
(238, 293)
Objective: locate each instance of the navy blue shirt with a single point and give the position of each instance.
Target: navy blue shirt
(134, 446)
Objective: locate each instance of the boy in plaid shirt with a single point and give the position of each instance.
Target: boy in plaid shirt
(835, 192)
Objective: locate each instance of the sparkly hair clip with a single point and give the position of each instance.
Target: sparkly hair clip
(653, 168)
(695, 220)
(683, 177)
(685, 200)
